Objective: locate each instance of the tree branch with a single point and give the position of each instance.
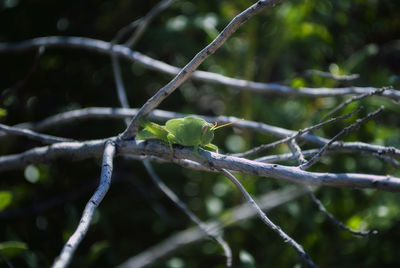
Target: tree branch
(103, 47)
(383, 152)
(47, 139)
(105, 180)
(342, 133)
(90, 149)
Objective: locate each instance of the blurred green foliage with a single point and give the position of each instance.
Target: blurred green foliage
(42, 204)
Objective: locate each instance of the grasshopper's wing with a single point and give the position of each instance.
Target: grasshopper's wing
(144, 134)
(152, 131)
(173, 125)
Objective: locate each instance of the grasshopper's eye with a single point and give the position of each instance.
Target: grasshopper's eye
(204, 129)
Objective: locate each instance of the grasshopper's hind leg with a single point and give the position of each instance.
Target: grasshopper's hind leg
(171, 139)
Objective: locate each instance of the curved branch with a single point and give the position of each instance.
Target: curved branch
(103, 47)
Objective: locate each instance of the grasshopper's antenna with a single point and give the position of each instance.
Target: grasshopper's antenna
(214, 127)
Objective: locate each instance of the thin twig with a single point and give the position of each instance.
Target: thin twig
(268, 222)
(284, 157)
(338, 223)
(300, 159)
(44, 138)
(146, 20)
(294, 135)
(175, 199)
(353, 99)
(105, 180)
(332, 76)
(342, 133)
(186, 71)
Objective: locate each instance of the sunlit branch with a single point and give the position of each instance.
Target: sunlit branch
(89, 149)
(99, 46)
(105, 180)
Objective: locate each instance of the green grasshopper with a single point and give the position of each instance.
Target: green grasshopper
(187, 131)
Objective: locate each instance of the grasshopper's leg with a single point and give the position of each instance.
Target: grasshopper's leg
(196, 151)
(211, 147)
(171, 140)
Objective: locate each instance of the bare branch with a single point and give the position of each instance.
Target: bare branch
(352, 99)
(286, 238)
(300, 159)
(186, 71)
(208, 77)
(332, 76)
(342, 133)
(382, 152)
(295, 135)
(296, 151)
(47, 139)
(89, 149)
(63, 150)
(105, 180)
(338, 223)
(182, 162)
(285, 157)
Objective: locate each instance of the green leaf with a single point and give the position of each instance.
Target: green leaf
(11, 249)
(3, 112)
(5, 199)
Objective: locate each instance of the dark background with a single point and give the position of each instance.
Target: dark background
(278, 45)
